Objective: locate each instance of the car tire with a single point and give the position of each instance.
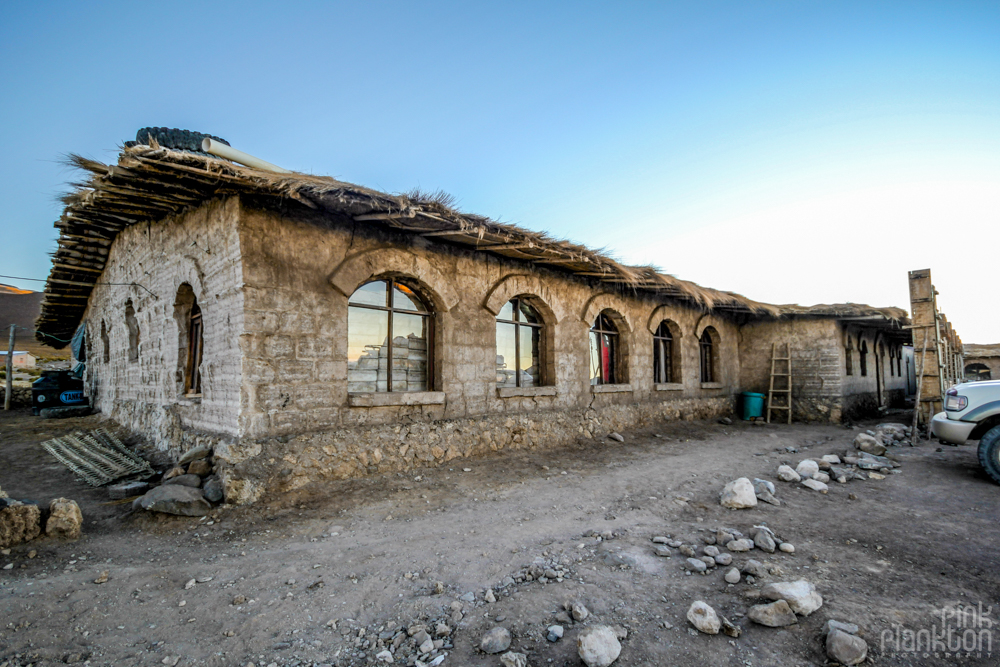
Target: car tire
(989, 453)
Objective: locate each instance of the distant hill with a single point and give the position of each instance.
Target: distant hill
(21, 307)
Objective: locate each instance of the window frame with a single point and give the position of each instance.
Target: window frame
(427, 313)
(663, 350)
(706, 345)
(195, 351)
(540, 326)
(613, 356)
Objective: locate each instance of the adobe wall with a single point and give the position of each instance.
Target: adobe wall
(201, 248)
(817, 366)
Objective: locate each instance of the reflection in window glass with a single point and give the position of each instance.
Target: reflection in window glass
(518, 345)
(387, 348)
(663, 354)
(603, 351)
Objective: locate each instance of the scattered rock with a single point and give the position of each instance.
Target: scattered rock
(726, 421)
(733, 576)
(102, 578)
(213, 489)
(801, 595)
(847, 649)
(807, 468)
(730, 629)
(754, 568)
(598, 646)
(554, 633)
(738, 494)
(867, 443)
(663, 551)
(185, 480)
(711, 550)
(832, 458)
(195, 454)
(384, 656)
(617, 437)
(724, 559)
(704, 618)
(239, 599)
(579, 611)
(764, 541)
(65, 519)
(786, 474)
(775, 615)
(490, 597)
(176, 471)
(695, 565)
(176, 499)
(740, 545)
(496, 640)
(201, 467)
(126, 490)
(512, 659)
(829, 626)
(787, 547)
(821, 477)
(815, 486)
(659, 539)
(687, 550)
(761, 485)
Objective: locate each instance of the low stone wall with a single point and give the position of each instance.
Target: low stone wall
(20, 396)
(250, 469)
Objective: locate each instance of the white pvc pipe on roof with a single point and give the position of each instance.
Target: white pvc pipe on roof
(219, 149)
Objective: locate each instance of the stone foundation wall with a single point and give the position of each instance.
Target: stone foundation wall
(20, 396)
(251, 469)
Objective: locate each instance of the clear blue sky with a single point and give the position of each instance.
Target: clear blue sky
(791, 151)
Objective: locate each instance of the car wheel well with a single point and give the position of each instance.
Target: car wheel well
(984, 426)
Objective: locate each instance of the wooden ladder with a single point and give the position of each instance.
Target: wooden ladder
(784, 392)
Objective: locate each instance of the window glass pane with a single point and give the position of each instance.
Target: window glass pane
(406, 299)
(367, 349)
(371, 294)
(608, 358)
(506, 355)
(528, 314)
(529, 366)
(595, 359)
(507, 312)
(409, 352)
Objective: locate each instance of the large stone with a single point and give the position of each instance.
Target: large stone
(775, 615)
(176, 499)
(867, 443)
(695, 565)
(19, 523)
(201, 467)
(65, 519)
(195, 454)
(213, 489)
(815, 485)
(742, 544)
(787, 474)
(733, 576)
(801, 595)
(598, 646)
(807, 468)
(738, 494)
(496, 640)
(703, 617)
(185, 480)
(765, 541)
(845, 648)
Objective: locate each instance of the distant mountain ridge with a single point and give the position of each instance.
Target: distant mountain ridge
(20, 307)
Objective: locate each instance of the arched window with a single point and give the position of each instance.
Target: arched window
(977, 372)
(892, 361)
(132, 325)
(604, 351)
(665, 366)
(190, 341)
(388, 339)
(849, 356)
(707, 347)
(863, 357)
(519, 335)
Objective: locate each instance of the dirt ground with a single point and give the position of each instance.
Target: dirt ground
(385, 553)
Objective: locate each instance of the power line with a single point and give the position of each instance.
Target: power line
(132, 284)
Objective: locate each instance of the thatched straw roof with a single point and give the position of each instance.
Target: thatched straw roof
(974, 351)
(896, 317)
(150, 183)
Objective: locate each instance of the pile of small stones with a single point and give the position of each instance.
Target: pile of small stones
(702, 558)
(188, 488)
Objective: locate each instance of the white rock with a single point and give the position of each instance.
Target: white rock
(703, 617)
(815, 486)
(724, 559)
(742, 544)
(801, 595)
(807, 468)
(787, 547)
(514, 659)
(598, 646)
(821, 477)
(786, 474)
(733, 576)
(711, 550)
(845, 648)
(832, 458)
(738, 494)
(384, 656)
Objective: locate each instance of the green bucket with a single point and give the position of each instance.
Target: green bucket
(753, 405)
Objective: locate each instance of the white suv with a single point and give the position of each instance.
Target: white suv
(972, 412)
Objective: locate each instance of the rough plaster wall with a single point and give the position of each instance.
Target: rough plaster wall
(817, 364)
(295, 344)
(202, 249)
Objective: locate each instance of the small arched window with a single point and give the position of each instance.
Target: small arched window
(132, 324)
(604, 351)
(707, 347)
(849, 356)
(665, 366)
(519, 336)
(192, 378)
(863, 357)
(388, 339)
